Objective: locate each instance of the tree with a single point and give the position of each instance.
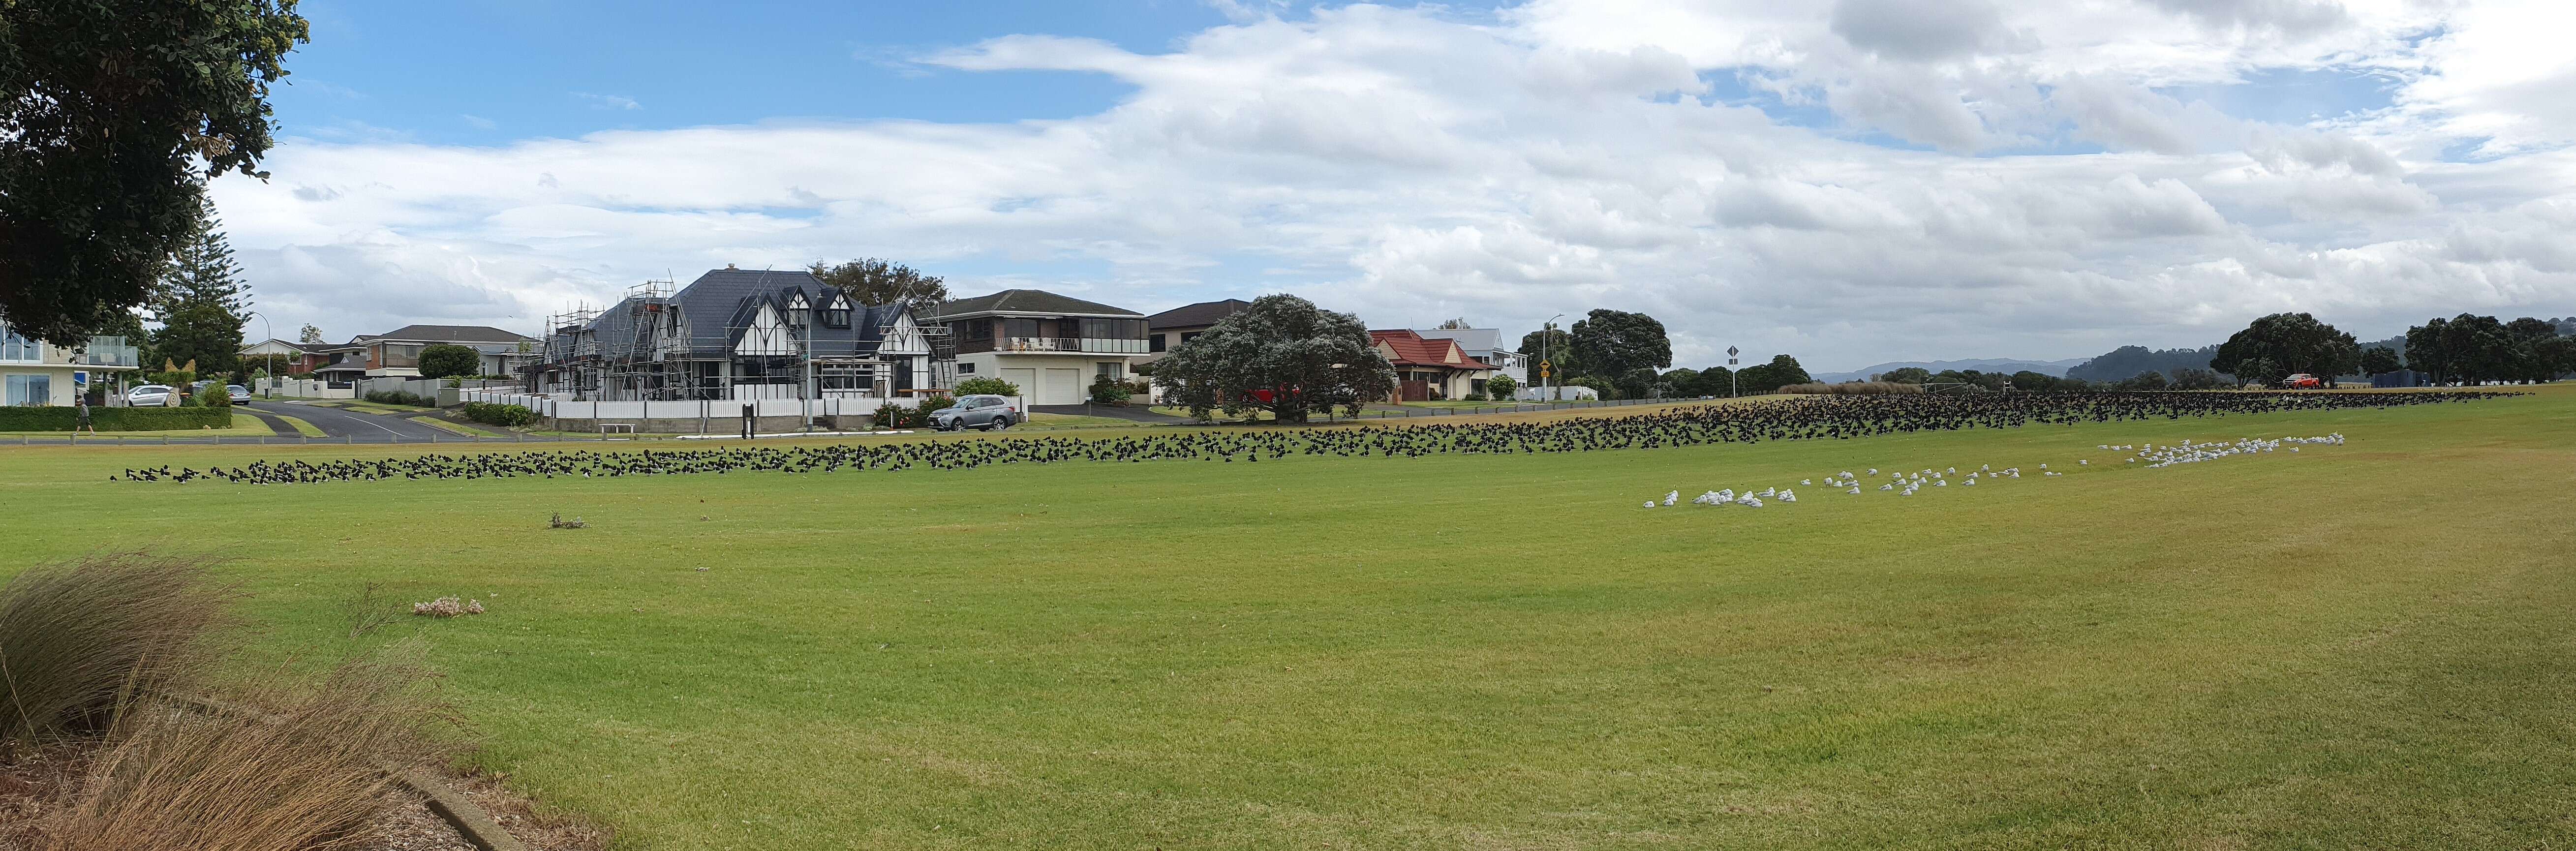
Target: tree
(1501, 387)
(2530, 363)
(1282, 354)
(203, 272)
(1615, 343)
(1905, 375)
(873, 281)
(2260, 370)
(2035, 382)
(1782, 371)
(2292, 342)
(115, 115)
(2465, 348)
(2379, 359)
(202, 333)
(1451, 324)
(2144, 381)
(447, 359)
(1713, 381)
(310, 336)
(1555, 347)
(1678, 381)
(2196, 379)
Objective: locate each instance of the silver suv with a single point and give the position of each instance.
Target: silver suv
(992, 413)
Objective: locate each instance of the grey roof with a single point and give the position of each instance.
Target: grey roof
(719, 305)
(1474, 339)
(1198, 315)
(1029, 301)
(451, 334)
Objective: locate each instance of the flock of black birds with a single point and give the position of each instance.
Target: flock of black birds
(1799, 419)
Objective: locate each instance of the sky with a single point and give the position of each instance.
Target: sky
(1846, 181)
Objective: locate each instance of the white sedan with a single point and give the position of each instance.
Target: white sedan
(149, 396)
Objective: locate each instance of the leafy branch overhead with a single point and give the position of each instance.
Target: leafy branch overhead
(112, 117)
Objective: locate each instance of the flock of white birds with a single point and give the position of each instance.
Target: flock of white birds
(1902, 483)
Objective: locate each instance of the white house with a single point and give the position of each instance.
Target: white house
(1052, 346)
(34, 372)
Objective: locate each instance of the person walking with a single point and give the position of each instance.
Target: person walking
(83, 404)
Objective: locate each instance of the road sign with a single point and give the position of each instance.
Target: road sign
(1730, 355)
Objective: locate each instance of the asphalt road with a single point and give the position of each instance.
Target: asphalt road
(363, 428)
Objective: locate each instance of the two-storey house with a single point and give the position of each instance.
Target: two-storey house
(1052, 346)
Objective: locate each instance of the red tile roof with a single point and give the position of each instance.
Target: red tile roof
(1414, 351)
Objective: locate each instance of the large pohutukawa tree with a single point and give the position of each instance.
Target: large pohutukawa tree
(1283, 355)
(2286, 343)
(112, 116)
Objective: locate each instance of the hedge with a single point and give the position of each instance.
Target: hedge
(500, 415)
(66, 418)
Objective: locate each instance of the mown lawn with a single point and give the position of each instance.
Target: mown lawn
(2356, 646)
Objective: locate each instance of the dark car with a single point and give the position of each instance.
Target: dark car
(992, 413)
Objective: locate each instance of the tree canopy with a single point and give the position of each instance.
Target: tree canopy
(447, 360)
(873, 281)
(1553, 346)
(2288, 343)
(112, 116)
(2379, 359)
(1782, 371)
(1615, 343)
(1303, 358)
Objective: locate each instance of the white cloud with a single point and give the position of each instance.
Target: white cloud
(599, 101)
(1411, 165)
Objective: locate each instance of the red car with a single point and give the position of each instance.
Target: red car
(2301, 381)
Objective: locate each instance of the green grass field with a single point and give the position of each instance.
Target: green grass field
(2356, 646)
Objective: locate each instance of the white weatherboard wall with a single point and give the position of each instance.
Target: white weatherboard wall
(565, 408)
(1044, 379)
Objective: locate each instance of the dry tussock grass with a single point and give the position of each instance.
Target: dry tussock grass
(82, 641)
(297, 768)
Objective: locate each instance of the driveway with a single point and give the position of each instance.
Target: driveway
(363, 428)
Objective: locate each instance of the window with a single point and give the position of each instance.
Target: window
(17, 348)
(796, 309)
(1113, 370)
(1187, 336)
(1156, 343)
(1113, 329)
(967, 368)
(837, 314)
(28, 390)
(978, 330)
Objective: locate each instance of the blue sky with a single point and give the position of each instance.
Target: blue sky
(1850, 181)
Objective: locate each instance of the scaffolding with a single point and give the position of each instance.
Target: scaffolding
(632, 365)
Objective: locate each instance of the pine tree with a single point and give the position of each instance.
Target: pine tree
(201, 302)
(203, 271)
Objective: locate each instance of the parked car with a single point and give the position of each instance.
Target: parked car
(991, 413)
(149, 395)
(239, 394)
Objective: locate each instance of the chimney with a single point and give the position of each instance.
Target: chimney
(728, 265)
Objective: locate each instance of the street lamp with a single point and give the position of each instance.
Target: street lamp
(271, 331)
(1546, 365)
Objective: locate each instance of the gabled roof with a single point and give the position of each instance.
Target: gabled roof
(719, 306)
(451, 334)
(1198, 315)
(1412, 349)
(1028, 301)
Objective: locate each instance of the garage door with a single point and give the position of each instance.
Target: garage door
(1063, 387)
(1025, 379)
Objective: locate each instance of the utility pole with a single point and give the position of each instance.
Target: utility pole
(1546, 364)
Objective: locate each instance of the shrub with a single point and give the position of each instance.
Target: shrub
(1854, 388)
(397, 397)
(286, 769)
(986, 386)
(213, 396)
(1110, 391)
(447, 359)
(1475, 397)
(1501, 387)
(500, 414)
(891, 415)
(87, 639)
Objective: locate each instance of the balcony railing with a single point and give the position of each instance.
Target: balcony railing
(108, 351)
(1083, 345)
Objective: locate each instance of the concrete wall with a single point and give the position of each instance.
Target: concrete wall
(1068, 384)
(713, 417)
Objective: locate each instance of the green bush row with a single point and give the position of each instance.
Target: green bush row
(114, 419)
(500, 415)
(891, 415)
(397, 397)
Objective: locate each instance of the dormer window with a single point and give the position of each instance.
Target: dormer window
(837, 313)
(796, 310)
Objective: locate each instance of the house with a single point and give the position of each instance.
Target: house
(737, 333)
(1183, 324)
(35, 372)
(1052, 346)
(1427, 369)
(396, 353)
(1485, 344)
(287, 358)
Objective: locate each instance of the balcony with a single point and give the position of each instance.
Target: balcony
(108, 351)
(1071, 345)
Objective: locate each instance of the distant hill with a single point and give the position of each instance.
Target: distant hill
(2129, 361)
(2054, 368)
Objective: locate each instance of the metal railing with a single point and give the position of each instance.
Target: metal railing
(1081, 345)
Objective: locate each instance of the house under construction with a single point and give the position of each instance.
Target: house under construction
(741, 334)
